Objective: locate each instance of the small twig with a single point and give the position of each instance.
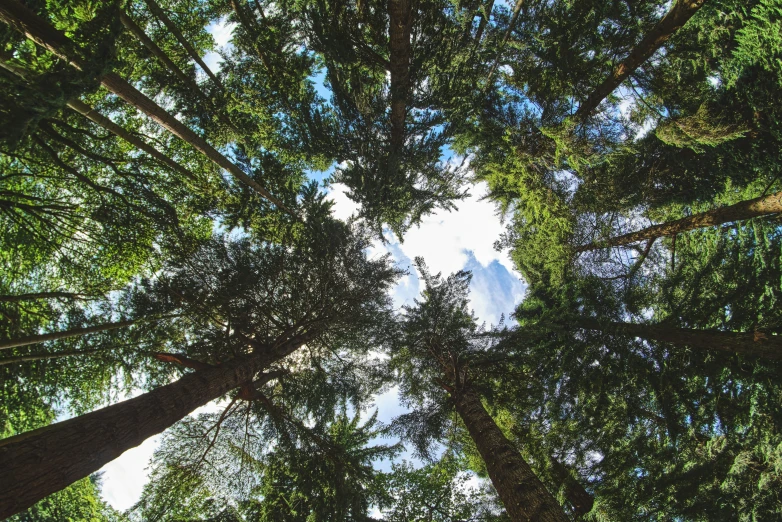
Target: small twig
(216, 427)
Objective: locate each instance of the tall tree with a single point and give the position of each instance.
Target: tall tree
(442, 349)
(158, 11)
(681, 11)
(343, 294)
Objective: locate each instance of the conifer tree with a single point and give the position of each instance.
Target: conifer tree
(442, 350)
(341, 295)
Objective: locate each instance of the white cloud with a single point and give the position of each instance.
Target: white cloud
(125, 476)
(344, 207)
(448, 242)
(222, 32)
(445, 239)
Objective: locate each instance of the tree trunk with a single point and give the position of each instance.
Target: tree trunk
(135, 98)
(523, 494)
(399, 30)
(41, 295)
(38, 30)
(74, 332)
(513, 19)
(578, 497)
(762, 206)
(756, 344)
(38, 463)
(679, 14)
(152, 47)
(171, 26)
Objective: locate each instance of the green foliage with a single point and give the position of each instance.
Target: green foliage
(436, 492)
(308, 474)
(93, 230)
(79, 502)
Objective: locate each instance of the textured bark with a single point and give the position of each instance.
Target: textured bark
(171, 26)
(578, 497)
(400, 50)
(53, 336)
(762, 206)
(38, 30)
(756, 344)
(679, 14)
(524, 496)
(38, 463)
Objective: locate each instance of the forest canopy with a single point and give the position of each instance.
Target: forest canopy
(169, 240)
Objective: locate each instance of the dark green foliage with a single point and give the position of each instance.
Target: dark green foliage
(23, 105)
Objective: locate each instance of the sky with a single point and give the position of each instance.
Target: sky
(448, 242)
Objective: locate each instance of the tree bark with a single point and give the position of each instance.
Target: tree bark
(53, 336)
(41, 295)
(171, 26)
(761, 206)
(756, 344)
(524, 496)
(38, 30)
(679, 14)
(38, 463)
(400, 49)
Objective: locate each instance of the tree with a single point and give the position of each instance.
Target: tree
(660, 417)
(681, 11)
(171, 26)
(324, 472)
(442, 349)
(38, 30)
(435, 492)
(79, 501)
(392, 131)
(342, 294)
